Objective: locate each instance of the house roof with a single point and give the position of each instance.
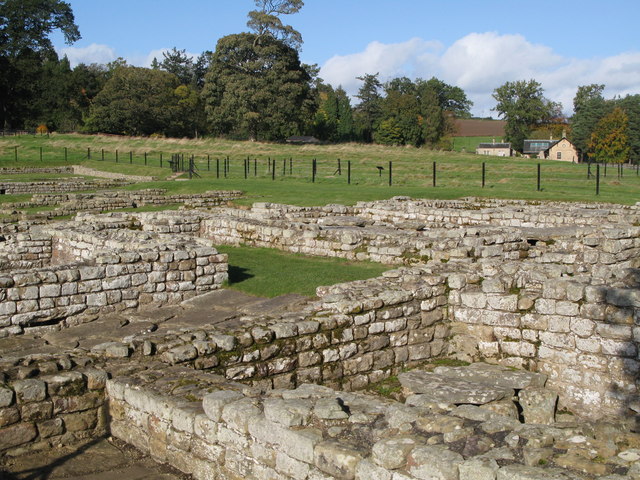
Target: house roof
(494, 145)
(537, 146)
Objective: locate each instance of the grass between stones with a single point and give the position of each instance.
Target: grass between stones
(457, 174)
(266, 272)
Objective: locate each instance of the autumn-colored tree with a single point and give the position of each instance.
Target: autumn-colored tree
(610, 141)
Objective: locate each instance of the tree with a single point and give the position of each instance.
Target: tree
(139, 101)
(631, 106)
(589, 107)
(450, 99)
(256, 89)
(369, 110)
(401, 114)
(609, 141)
(523, 105)
(265, 22)
(25, 26)
(179, 63)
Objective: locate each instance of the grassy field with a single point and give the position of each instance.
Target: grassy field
(457, 174)
(267, 272)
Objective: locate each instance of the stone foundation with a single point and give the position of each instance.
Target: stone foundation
(552, 292)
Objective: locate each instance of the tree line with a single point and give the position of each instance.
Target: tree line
(254, 86)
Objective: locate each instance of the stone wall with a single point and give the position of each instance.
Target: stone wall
(52, 410)
(60, 185)
(95, 270)
(582, 334)
(24, 250)
(358, 334)
(26, 170)
(92, 172)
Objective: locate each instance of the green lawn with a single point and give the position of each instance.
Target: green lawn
(267, 272)
(457, 174)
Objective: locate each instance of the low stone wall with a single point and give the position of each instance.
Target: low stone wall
(61, 185)
(24, 250)
(95, 271)
(26, 170)
(360, 333)
(56, 408)
(583, 336)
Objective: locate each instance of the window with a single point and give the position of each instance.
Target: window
(559, 155)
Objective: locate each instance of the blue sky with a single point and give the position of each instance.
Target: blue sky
(474, 44)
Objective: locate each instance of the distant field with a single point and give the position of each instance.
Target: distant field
(457, 174)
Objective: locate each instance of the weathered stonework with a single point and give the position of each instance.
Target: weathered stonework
(550, 291)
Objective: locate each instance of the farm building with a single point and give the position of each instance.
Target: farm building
(495, 149)
(562, 150)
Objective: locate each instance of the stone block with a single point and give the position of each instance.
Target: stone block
(30, 390)
(538, 405)
(337, 460)
(391, 453)
(17, 434)
(214, 403)
(429, 462)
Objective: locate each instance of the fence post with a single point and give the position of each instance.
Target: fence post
(116, 156)
(290, 166)
(130, 156)
(40, 153)
(217, 168)
(208, 163)
(348, 172)
(102, 154)
(538, 177)
(284, 167)
(145, 158)
(390, 172)
(597, 179)
(483, 173)
(434, 174)
(88, 153)
(15, 153)
(313, 171)
(255, 167)
(65, 154)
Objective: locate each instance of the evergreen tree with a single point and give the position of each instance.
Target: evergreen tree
(256, 89)
(368, 113)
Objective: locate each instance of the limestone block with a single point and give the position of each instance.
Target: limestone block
(214, 403)
(429, 462)
(290, 466)
(338, 460)
(391, 453)
(17, 434)
(6, 396)
(287, 413)
(538, 405)
(30, 390)
(181, 354)
(522, 472)
(478, 469)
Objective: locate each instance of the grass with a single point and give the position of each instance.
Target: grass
(266, 272)
(458, 174)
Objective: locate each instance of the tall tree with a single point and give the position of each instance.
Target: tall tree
(179, 63)
(631, 106)
(523, 105)
(589, 107)
(140, 101)
(609, 141)
(368, 113)
(256, 89)
(401, 113)
(265, 22)
(25, 26)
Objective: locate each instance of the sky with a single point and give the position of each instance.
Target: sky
(477, 45)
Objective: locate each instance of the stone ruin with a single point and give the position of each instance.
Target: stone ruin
(542, 301)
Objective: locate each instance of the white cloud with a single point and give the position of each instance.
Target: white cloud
(102, 54)
(392, 60)
(481, 62)
(94, 53)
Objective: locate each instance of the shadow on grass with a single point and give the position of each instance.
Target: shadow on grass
(238, 274)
